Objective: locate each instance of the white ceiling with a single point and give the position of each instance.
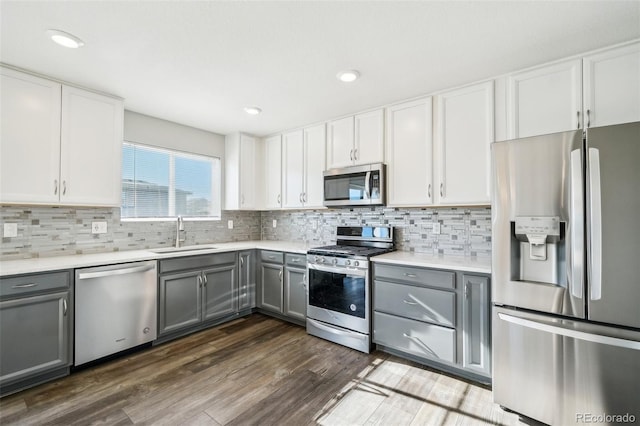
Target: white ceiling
(200, 62)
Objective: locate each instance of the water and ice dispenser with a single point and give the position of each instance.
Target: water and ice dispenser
(538, 249)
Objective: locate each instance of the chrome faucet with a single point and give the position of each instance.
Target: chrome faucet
(179, 227)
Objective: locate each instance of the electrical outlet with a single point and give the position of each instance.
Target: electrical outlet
(230, 224)
(275, 223)
(10, 230)
(436, 228)
(98, 227)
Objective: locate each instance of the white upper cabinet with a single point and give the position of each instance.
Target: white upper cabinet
(612, 86)
(340, 145)
(369, 137)
(292, 169)
(30, 138)
(240, 172)
(409, 153)
(303, 153)
(273, 172)
(60, 144)
(315, 142)
(546, 99)
(91, 148)
(356, 140)
(463, 136)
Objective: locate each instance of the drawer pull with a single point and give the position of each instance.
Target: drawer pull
(409, 303)
(24, 285)
(406, 274)
(64, 307)
(271, 257)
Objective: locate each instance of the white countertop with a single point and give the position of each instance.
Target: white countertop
(458, 263)
(43, 264)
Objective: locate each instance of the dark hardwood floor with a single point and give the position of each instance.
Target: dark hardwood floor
(254, 371)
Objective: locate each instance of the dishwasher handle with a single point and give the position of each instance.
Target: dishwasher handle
(112, 272)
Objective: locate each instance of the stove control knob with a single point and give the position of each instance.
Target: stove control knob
(316, 259)
(321, 260)
(335, 261)
(348, 262)
(356, 263)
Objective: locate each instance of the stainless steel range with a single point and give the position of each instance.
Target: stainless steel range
(339, 298)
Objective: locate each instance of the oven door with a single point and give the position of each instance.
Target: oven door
(339, 296)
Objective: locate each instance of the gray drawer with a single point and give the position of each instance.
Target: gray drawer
(299, 260)
(26, 284)
(272, 256)
(413, 275)
(196, 262)
(421, 303)
(415, 337)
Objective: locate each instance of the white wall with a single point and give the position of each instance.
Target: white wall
(146, 130)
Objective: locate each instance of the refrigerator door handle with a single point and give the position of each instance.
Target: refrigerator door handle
(595, 222)
(577, 226)
(572, 333)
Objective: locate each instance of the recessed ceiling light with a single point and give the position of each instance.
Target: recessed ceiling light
(65, 39)
(348, 76)
(253, 110)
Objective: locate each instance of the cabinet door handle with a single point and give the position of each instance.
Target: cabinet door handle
(588, 118)
(578, 119)
(466, 290)
(355, 154)
(406, 274)
(409, 303)
(242, 262)
(429, 191)
(351, 155)
(304, 197)
(55, 187)
(441, 189)
(64, 187)
(242, 198)
(300, 198)
(64, 307)
(199, 280)
(24, 285)
(279, 199)
(204, 280)
(280, 274)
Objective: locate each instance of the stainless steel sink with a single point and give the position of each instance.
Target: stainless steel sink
(182, 249)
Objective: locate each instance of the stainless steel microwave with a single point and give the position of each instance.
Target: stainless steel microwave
(355, 186)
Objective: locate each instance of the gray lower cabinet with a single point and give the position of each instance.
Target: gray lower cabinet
(271, 281)
(295, 287)
(282, 285)
(437, 316)
(189, 297)
(36, 320)
(476, 327)
(246, 280)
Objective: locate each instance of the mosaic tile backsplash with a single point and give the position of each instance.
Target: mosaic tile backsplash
(463, 231)
(53, 231)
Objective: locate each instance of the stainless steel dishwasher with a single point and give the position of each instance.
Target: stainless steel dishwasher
(115, 309)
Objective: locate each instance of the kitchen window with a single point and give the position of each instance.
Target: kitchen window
(161, 183)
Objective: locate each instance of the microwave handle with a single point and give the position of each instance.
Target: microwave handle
(367, 185)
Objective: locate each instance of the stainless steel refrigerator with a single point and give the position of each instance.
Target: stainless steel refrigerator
(566, 275)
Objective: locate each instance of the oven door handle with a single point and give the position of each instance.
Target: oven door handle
(335, 331)
(338, 270)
